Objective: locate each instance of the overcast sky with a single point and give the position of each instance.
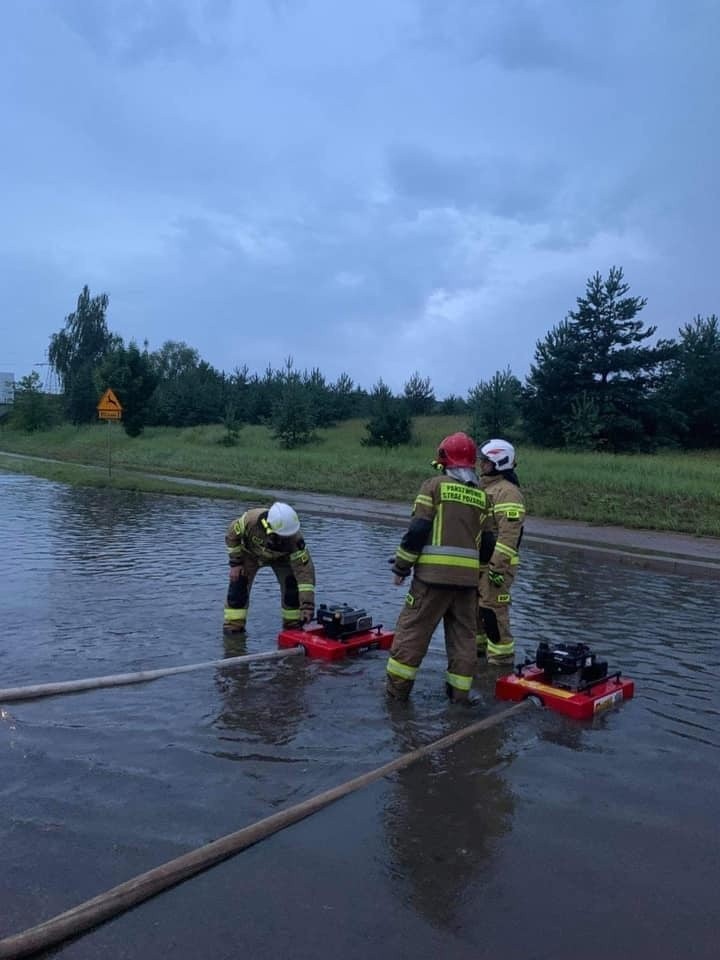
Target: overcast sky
(369, 186)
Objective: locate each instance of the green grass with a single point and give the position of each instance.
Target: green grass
(670, 491)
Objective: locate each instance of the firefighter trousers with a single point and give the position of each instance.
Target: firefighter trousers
(238, 595)
(426, 605)
(494, 636)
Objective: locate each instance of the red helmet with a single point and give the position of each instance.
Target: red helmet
(457, 450)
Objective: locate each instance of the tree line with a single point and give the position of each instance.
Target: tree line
(600, 380)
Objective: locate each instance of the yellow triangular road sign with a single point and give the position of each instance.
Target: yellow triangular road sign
(109, 407)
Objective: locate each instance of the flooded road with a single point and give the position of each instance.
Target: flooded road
(542, 838)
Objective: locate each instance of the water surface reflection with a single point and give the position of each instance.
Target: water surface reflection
(543, 824)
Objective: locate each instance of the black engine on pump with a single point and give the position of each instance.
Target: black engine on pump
(570, 665)
(340, 621)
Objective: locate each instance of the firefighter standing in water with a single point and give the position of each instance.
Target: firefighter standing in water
(499, 557)
(441, 549)
(269, 538)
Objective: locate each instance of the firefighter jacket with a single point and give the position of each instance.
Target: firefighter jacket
(441, 544)
(248, 535)
(503, 531)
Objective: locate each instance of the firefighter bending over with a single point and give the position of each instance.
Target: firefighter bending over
(440, 548)
(269, 538)
(499, 556)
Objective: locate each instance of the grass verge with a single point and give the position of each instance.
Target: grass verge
(670, 491)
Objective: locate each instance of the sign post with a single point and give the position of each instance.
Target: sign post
(109, 408)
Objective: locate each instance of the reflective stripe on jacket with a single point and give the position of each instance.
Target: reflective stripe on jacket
(444, 534)
(247, 535)
(503, 530)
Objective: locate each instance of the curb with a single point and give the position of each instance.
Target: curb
(625, 557)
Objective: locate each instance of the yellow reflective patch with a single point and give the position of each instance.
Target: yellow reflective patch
(460, 493)
(544, 688)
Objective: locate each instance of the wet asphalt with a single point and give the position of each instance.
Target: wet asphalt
(542, 837)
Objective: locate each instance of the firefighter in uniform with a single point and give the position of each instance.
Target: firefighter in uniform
(269, 538)
(441, 549)
(499, 557)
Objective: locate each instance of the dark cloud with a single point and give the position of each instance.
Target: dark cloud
(134, 31)
(503, 186)
(375, 187)
(521, 34)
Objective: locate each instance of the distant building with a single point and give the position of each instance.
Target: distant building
(7, 387)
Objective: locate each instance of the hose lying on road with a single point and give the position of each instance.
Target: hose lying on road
(119, 679)
(115, 901)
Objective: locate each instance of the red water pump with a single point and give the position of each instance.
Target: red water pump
(342, 631)
(567, 678)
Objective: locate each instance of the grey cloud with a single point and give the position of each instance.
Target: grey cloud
(218, 173)
(518, 34)
(133, 31)
(503, 186)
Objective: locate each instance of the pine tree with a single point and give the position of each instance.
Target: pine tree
(293, 416)
(390, 423)
(692, 385)
(598, 359)
(494, 406)
(31, 409)
(419, 395)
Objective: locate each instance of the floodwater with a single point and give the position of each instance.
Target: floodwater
(540, 838)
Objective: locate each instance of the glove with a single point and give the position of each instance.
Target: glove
(496, 578)
(307, 614)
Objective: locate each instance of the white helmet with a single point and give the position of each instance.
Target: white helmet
(283, 520)
(500, 453)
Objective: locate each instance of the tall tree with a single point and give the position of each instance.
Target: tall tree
(132, 376)
(174, 358)
(189, 391)
(343, 397)
(692, 385)
(419, 395)
(598, 359)
(494, 406)
(263, 394)
(294, 415)
(76, 352)
(555, 380)
(390, 422)
(319, 396)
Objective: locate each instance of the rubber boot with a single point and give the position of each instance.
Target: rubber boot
(465, 698)
(397, 688)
